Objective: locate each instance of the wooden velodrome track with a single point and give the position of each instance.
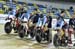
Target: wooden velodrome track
(12, 41)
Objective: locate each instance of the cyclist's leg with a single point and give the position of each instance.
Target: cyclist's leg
(16, 24)
(25, 27)
(66, 34)
(50, 34)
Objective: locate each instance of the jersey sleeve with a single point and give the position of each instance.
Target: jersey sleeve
(44, 21)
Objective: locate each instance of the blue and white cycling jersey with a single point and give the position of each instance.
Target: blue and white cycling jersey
(71, 12)
(41, 21)
(14, 12)
(60, 23)
(11, 14)
(25, 16)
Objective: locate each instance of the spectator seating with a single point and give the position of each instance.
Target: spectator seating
(41, 8)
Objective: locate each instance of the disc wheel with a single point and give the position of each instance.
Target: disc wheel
(8, 28)
(56, 41)
(21, 32)
(38, 36)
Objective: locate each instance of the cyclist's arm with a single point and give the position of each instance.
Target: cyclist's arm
(44, 21)
(62, 23)
(38, 22)
(28, 16)
(22, 15)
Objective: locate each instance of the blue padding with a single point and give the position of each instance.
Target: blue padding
(20, 2)
(41, 6)
(30, 4)
(1, 5)
(41, 9)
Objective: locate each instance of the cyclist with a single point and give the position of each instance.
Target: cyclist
(41, 23)
(24, 19)
(72, 23)
(60, 23)
(35, 17)
(60, 19)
